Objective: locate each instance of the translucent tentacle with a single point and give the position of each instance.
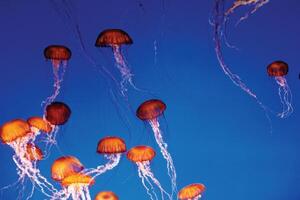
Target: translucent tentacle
(285, 95)
(167, 156)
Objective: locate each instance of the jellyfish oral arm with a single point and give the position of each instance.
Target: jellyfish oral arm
(123, 68)
(285, 95)
(145, 173)
(167, 156)
(114, 160)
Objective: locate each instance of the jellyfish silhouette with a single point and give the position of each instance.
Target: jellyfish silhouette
(191, 192)
(141, 156)
(112, 149)
(59, 56)
(219, 22)
(19, 136)
(279, 69)
(115, 38)
(150, 111)
(67, 171)
(106, 195)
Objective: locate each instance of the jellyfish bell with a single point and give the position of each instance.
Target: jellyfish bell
(65, 166)
(278, 68)
(13, 130)
(106, 195)
(111, 145)
(112, 37)
(57, 113)
(141, 154)
(151, 109)
(38, 124)
(191, 192)
(77, 179)
(57, 54)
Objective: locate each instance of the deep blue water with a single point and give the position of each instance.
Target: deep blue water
(217, 134)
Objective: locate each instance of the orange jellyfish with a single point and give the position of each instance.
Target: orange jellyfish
(59, 55)
(278, 70)
(106, 195)
(150, 111)
(219, 21)
(191, 192)
(18, 135)
(141, 156)
(112, 148)
(114, 38)
(67, 171)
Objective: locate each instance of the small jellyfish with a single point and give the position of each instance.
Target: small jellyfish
(57, 113)
(106, 195)
(68, 171)
(115, 38)
(59, 56)
(191, 192)
(278, 70)
(18, 135)
(112, 148)
(150, 111)
(141, 156)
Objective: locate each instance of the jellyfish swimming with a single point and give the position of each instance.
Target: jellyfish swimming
(150, 111)
(57, 114)
(106, 195)
(112, 148)
(115, 38)
(191, 192)
(141, 156)
(67, 170)
(19, 136)
(278, 70)
(59, 56)
(219, 21)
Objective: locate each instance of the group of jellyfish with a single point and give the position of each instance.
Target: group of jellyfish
(73, 177)
(68, 171)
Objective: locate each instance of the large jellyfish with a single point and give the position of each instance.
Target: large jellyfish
(279, 69)
(56, 113)
(141, 156)
(20, 137)
(191, 192)
(59, 56)
(106, 195)
(150, 111)
(219, 22)
(67, 171)
(115, 38)
(112, 148)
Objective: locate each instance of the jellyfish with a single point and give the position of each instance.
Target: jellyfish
(114, 38)
(106, 195)
(59, 56)
(191, 192)
(67, 170)
(219, 22)
(57, 113)
(18, 135)
(150, 111)
(112, 148)
(278, 69)
(141, 156)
